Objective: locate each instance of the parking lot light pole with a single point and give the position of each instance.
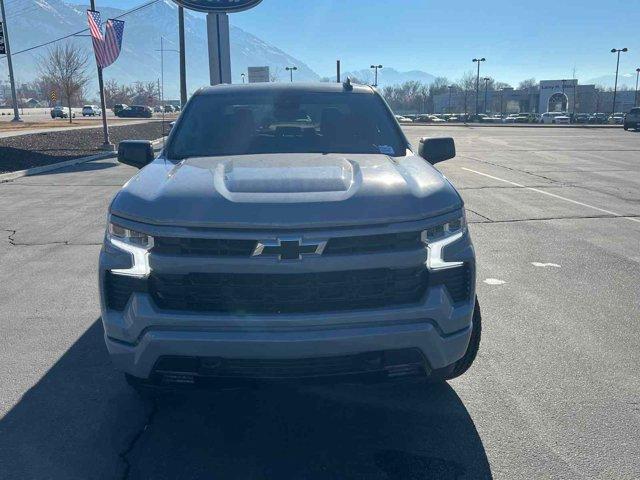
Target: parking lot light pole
(615, 85)
(450, 87)
(14, 96)
(478, 60)
(635, 98)
(375, 68)
(290, 70)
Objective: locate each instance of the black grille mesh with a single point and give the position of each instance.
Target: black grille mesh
(275, 293)
(216, 247)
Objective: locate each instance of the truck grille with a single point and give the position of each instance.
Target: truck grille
(457, 280)
(217, 247)
(289, 293)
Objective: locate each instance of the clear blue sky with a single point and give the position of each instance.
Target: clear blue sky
(544, 39)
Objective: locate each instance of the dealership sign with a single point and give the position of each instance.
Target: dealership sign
(218, 6)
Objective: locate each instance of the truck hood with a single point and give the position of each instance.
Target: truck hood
(285, 191)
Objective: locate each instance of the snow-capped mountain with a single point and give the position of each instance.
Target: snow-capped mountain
(32, 22)
(388, 76)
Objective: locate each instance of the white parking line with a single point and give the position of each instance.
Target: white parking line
(637, 220)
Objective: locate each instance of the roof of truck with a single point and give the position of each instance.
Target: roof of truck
(319, 87)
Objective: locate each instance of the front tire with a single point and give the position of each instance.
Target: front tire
(461, 366)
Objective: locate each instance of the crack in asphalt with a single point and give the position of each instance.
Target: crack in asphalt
(514, 169)
(479, 214)
(10, 238)
(12, 241)
(541, 219)
(124, 454)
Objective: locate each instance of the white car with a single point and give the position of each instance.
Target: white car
(402, 119)
(91, 111)
(555, 117)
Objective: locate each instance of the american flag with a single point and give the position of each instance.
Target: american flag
(107, 48)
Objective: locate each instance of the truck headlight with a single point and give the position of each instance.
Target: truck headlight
(437, 237)
(135, 243)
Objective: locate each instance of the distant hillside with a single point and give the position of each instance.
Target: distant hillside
(624, 79)
(140, 60)
(388, 76)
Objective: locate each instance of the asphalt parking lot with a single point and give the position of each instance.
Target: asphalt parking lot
(554, 393)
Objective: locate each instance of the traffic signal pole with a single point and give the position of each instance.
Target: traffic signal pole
(14, 96)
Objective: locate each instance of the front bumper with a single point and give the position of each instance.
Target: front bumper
(142, 334)
(268, 337)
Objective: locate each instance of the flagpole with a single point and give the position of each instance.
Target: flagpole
(16, 114)
(107, 145)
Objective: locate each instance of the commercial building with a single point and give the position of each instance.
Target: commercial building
(549, 95)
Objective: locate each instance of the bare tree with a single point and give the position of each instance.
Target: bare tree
(66, 68)
(274, 74)
(527, 84)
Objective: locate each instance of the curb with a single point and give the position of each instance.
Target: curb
(7, 177)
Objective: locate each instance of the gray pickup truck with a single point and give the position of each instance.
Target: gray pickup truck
(288, 231)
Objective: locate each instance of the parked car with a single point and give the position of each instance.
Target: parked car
(136, 111)
(169, 109)
(598, 118)
(403, 119)
(524, 118)
(118, 107)
(555, 117)
(91, 111)
(234, 245)
(157, 109)
(511, 118)
(617, 118)
(61, 112)
(632, 119)
(581, 118)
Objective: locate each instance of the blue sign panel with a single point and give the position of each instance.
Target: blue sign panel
(218, 6)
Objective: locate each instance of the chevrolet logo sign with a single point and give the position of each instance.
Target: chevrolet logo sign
(288, 248)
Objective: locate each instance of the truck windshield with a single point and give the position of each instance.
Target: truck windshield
(277, 122)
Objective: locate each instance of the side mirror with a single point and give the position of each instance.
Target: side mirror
(435, 150)
(136, 153)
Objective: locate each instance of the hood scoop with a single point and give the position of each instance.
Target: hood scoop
(292, 178)
(320, 174)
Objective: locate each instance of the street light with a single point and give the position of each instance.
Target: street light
(478, 60)
(486, 84)
(242, 75)
(635, 98)
(290, 70)
(450, 88)
(376, 67)
(615, 87)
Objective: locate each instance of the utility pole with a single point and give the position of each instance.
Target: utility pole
(338, 71)
(14, 96)
(635, 98)
(486, 84)
(450, 87)
(478, 60)
(615, 88)
(107, 145)
(183, 62)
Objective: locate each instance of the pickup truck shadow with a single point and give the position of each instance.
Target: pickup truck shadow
(81, 421)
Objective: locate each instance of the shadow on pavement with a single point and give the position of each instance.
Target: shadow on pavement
(81, 421)
(14, 159)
